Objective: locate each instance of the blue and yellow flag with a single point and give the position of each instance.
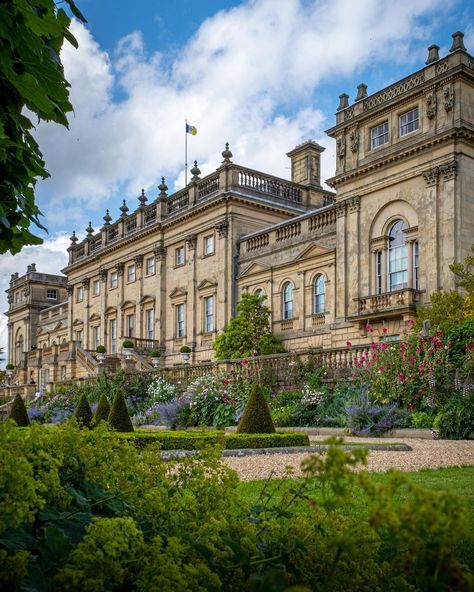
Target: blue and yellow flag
(190, 129)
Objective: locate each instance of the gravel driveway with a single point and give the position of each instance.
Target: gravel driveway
(425, 454)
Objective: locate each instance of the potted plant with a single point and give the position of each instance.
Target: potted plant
(100, 351)
(185, 353)
(155, 357)
(9, 370)
(127, 348)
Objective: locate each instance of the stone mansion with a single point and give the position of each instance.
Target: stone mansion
(170, 269)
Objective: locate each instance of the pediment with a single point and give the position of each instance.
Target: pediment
(207, 284)
(178, 293)
(147, 298)
(255, 267)
(314, 250)
(127, 304)
(110, 310)
(77, 322)
(95, 317)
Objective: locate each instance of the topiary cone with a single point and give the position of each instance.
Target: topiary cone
(103, 410)
(119, 418)
(18, 412)
(83, 412)
(256, 418)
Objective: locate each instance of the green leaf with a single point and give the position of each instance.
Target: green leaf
(32, 93)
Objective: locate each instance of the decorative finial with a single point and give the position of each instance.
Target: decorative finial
(89, 229)
(123, 209)
(73, 238)
(195, 172)
(107, 218)
(143, 198)
(163, 187)
(226, 154)
(458, 42)
(433, 54)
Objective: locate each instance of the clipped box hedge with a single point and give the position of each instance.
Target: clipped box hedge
(195, 440)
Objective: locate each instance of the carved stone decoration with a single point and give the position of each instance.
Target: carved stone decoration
(353, 204)
(448, 93)
(431, 176)
(222, 228)
(120, 267)
(138, 260)
(10, 299)
(431, 104)
(86, 283)
(191, 241)
(354, 140)
(103, 274)
(448, 170)
(340, 210)
(160, 251)
(69, 289)
(341, 147)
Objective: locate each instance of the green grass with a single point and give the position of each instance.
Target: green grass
(456, 480)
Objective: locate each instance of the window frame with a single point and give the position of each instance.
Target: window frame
(150, 270)
(287, 304)
(206, 250)
(319, 298)
(150, 327)
(180, 320)
(113, 281)
(209, 316)
(177, 256)
(131, 273)
(113, 335)
(407, 124)
(96, 288)
(375, 139)
(130, 325)
(79, 294)
(48, 290)
(394, 255)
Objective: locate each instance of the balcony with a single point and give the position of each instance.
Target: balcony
(386, 304)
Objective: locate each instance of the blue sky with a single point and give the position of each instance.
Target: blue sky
(263, 75)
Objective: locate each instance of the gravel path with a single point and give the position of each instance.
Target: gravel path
(425, 454)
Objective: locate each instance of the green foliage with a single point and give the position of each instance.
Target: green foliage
(103, 410)
(277, 440)
(256, 418)
(100, 349)
(455, 421)
(84, 510)
(83, 412)
(119, 418)
(128, 344)
(185, 349)
(446, 310)
(31, 78)
(155, 353)
(421, 420)
(248, 333)
(10, 367)
(461, 339)
(465, 277)
(177, 439)
(18, 412)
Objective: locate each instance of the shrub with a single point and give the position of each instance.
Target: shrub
(276, 440)
(177, 440)
(128, 344)
(100, 349)
(18, 412)
(206, 394)
(256, 418)
(119, 418)
(155, 354)
(169, 413)
(185, 349)
(160, 391)
(83, 412)
(421, 419)
(9, 367)
(103, 410)
(365, 418)
(455, 421)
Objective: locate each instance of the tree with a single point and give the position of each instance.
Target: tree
(83, 412)
(119, 418)
(103, 410)
(465, 275)
(32, 33)
(249, 332)
(18, 412)
(256, 418)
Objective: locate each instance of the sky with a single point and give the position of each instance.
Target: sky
(263, 75)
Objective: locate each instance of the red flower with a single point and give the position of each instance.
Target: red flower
(401, 377)
(410, 407)
(384, 330)
(349, 344)
(245, 362)
(369, 328)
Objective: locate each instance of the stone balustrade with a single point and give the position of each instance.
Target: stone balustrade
(406, 298)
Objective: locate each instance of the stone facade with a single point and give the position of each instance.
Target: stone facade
(170, 272)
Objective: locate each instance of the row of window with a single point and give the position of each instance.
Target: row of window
(51, 294)
(407, 123)
(131, 270)
(319, 297)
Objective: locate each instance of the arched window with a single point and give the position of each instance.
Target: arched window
(287, 293)
(397, 257)
(319, 294)
(19, 350)
(260, 292)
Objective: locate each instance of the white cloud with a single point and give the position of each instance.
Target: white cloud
(49, 258)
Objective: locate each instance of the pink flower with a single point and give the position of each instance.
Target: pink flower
(384, 345)
(245, 362)
(410, 322)
(374, 356)
(381, 369)
(349, 344)
(410, 407)
(373, 345)
(401, 377)
(369, 328)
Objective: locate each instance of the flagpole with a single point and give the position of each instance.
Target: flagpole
(185, 152)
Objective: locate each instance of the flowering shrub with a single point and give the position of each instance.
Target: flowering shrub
(169, 413)
(365, 418)
(206, 393)
(160, 391)
(414, 373)
(311, 398)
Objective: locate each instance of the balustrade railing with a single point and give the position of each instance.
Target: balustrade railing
(387, 300)
(270, 186)
(208, 186)
(178, 202)
(288, 231)
(322, 220)
(257, 242)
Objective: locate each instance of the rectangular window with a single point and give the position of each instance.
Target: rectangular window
(379, 135)
(113, 280)
(378, 272)
(180, 327)
(79, 337)
(209, 314)
(130, 325)
(416, 266)
(113, 335)
(150, 266)
(63, 373)
(150, 323)
(95, 336)
(17, 297)
(209, 245)
(96, 287)
(409, 122)
(179, 256)
(79, 294)
(131, 273)
(52, 294)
